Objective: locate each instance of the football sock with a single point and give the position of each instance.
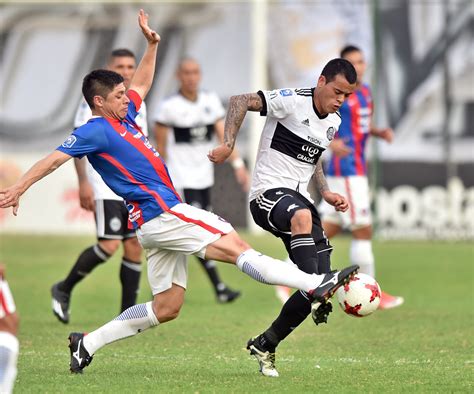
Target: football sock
(293, 313)
(361, 254)
(324, 260)
(304, 253)
(130, 278)
(86, 262)
(129, 323)
(270, 271)
(211, 270)
(9, 347)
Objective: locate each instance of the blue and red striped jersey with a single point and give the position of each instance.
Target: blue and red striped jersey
(127, 162)
(356, 113)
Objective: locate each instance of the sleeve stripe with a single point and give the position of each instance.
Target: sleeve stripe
(263, 112)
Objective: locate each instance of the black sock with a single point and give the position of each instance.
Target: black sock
(86, 262)
(304, 253)
(211, 270)
(293, 313)
(324, 261)
(130, 278)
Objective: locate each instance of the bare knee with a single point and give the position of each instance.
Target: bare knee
(167, 305)
(132, 249)
(109, 246)
(165, 313)
(302, 222)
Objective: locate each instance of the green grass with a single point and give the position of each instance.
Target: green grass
(424, 346)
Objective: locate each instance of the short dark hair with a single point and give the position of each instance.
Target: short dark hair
(339, 66)
(349, 49)
(122, 52)
(99, 83)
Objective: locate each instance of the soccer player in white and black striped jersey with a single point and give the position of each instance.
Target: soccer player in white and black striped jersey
(300, 125)
(186, 126)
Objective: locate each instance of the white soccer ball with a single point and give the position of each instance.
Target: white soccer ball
(360, 297)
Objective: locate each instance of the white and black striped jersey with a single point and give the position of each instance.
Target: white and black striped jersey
(101, 190)
(191, 137)
(293, 138)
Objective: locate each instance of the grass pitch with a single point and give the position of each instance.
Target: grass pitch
(424, 346)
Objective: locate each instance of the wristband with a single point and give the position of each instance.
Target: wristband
(237, 163)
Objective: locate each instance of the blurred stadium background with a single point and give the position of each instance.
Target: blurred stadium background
(421, 59)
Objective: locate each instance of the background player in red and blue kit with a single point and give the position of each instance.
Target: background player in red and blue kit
(168, 229)
(347, 173)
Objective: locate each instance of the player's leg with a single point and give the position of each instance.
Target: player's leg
(167, 275)
(311, 255)
(108, 228)
(131, 267)
(201, 198)
(9, 345)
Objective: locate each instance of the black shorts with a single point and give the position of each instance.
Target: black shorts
(199, 198)
(273, 210)
(111, 219)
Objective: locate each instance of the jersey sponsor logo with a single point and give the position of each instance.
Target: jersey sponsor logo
(189, 135)
(330, 133)
(286, 92)
(290, 144)
(70, 141)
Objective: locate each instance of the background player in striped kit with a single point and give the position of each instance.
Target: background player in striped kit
(186, 125)
(9, 345)
(347, 173)
(111, 215)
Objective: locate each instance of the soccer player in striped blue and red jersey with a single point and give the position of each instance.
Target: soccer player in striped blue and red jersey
(167, 229)
(347, 173)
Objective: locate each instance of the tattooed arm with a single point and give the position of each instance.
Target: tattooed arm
(336, 200)
(238, 107)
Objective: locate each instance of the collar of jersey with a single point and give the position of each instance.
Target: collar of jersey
(314, 107)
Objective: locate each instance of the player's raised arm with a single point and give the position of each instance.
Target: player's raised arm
(237, 109)
(143, 78)
(10, 197)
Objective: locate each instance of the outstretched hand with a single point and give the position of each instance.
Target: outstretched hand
(219, 154)
(10, 197)
(152, 36)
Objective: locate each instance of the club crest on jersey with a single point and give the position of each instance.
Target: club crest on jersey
(70, 141)
(286, 92)
(330, 133)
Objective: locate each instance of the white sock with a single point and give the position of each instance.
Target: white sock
(9, 347)
(130, 322)
(361, 254)
(270, 271)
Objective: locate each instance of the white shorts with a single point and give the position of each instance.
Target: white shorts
(356, 190)
(7, 304)
(170, 237)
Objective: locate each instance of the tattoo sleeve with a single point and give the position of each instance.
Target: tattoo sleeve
(238, 107)
(320, 178)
